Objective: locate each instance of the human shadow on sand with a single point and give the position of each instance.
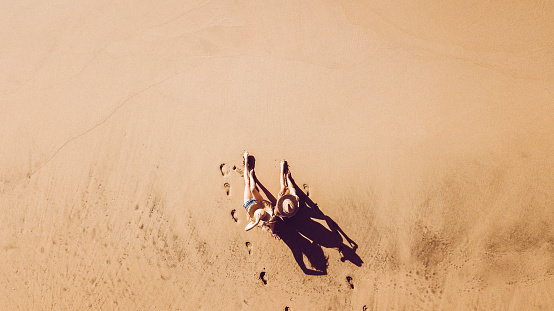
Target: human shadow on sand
(305, 236)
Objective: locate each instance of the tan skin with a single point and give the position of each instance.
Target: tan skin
(285, 174)
(250, 191)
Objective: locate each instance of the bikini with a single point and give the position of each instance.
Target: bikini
(248, 203)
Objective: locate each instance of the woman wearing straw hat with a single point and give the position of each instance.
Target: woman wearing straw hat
(287, 201)
(259, 211)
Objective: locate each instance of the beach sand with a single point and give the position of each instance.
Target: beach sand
(422, 133)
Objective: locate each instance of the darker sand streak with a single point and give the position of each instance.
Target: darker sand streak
(110, 115)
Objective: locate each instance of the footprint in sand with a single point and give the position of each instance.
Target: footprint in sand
(224, 168)
(238, 170)
(227, 187)
(233, 215)
(364, 308)
(306, 189)
(249, 247)
(341, 252)
(349, 281)
(262, 277)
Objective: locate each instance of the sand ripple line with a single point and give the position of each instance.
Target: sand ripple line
(127, 100)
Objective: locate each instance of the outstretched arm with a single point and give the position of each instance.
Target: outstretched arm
(271, 225)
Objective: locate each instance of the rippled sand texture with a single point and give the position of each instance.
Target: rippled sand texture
(421, 131)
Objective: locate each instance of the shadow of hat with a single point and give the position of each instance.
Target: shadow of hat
(288, 206)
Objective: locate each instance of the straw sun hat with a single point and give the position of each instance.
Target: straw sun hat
(261, 211)
(287, 206)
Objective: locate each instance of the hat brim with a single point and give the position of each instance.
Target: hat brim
(256, 206)
(251, 225)
(294, 200)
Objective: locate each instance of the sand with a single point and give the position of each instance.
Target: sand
(420, 132)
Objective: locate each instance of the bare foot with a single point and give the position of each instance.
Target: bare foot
(282, 192)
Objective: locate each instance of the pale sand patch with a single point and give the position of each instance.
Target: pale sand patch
(422, 131)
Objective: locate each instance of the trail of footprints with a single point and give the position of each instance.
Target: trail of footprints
(225, 172)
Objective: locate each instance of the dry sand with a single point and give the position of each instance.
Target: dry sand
(424, 131)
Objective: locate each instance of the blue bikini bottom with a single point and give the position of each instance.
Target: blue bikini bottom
(248, 203)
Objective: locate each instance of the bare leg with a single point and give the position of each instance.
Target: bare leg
(282, 177)
(292, 189)
(283, 190)
(247, 192)
(253, 190)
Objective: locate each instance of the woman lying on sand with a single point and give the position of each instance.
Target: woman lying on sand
(260, 212)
